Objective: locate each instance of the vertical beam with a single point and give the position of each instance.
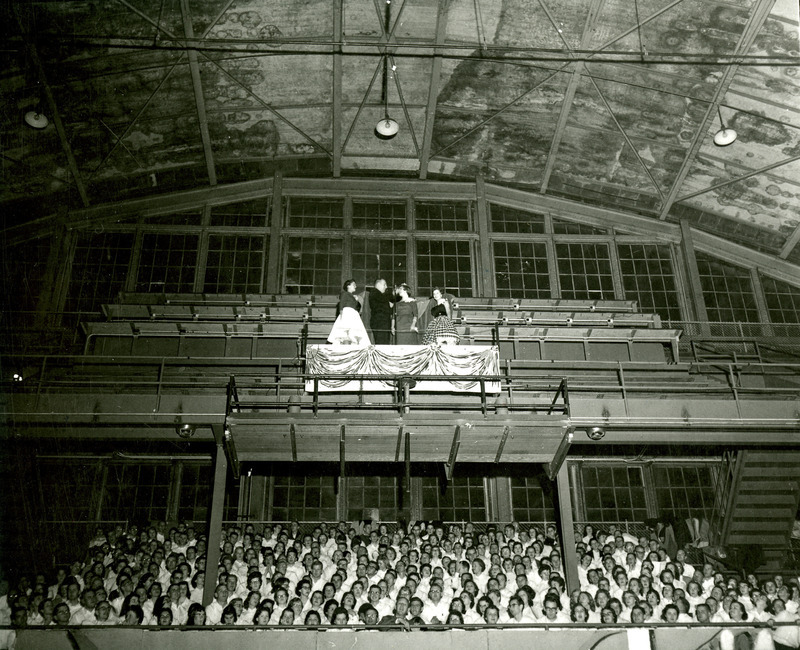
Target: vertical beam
(199, 99)
(175, 480)
(259, 493)
(99, 494)
(692, 273)
(451, 459)
(502, 492)
(337, 88)
(433, 90)
(616, 270)
(758, 291)
(215, 521)
(569, 557)
(408, 461)
(273, 282)
(342, 451)
(486, 276)
(55, 283)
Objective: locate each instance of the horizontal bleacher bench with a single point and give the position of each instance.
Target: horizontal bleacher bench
(511, 304)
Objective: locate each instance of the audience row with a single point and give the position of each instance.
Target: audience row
(371, 574)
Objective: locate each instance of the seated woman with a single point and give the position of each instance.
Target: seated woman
(348, 329)
(440, 330)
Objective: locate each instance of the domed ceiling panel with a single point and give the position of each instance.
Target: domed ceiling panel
(610, 102)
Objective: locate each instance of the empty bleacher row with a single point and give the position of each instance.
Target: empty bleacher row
(282, 326)
(186, 342)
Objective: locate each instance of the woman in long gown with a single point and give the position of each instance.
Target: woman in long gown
(405, 317)
(348, 329)
(440, 330)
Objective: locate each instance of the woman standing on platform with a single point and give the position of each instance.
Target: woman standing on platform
(405, 317)
(348, 329)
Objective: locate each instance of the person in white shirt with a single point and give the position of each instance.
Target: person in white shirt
(84, 615)
(435, 608)
(215, 608)
(516, 613)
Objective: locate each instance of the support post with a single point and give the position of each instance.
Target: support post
(341, 451)
(569, 558)
(451, 459)
(408, 460)
(692, 273)
(215, 524)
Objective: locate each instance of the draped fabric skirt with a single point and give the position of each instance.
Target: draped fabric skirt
(348, 329)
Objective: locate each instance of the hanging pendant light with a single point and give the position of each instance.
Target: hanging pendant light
(387, 128)
(36, 120)
(724, 136)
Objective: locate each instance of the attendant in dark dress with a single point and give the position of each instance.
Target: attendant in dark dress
(377, 313)
(405, 317)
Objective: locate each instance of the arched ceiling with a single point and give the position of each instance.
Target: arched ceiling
(608, 102)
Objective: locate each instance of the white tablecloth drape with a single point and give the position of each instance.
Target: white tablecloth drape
(402, 361)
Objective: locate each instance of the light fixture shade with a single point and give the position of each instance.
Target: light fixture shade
(36, 120)
(387, 128)
(724, 137)
(595, 433)
(185, 430)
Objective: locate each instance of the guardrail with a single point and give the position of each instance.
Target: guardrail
(270, 382)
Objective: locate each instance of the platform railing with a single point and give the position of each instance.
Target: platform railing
(271, 382)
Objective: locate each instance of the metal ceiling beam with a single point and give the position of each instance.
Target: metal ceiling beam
(267, 106)
(404, 105)
(135, 118)
(433, 90)
(791, 242)
(336, 108)
(572, 57)
(756, 21)
(561, 124)
(33, 54)
(625, 136)
(503, 109)
(574, 83)
(736, 179)
(199, 98)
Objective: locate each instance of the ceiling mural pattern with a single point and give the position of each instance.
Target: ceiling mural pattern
(609, 102)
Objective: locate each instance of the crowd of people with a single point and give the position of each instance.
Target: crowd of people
(376, 574)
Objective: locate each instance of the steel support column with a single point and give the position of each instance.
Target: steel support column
(215, 523)
(569, 558)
